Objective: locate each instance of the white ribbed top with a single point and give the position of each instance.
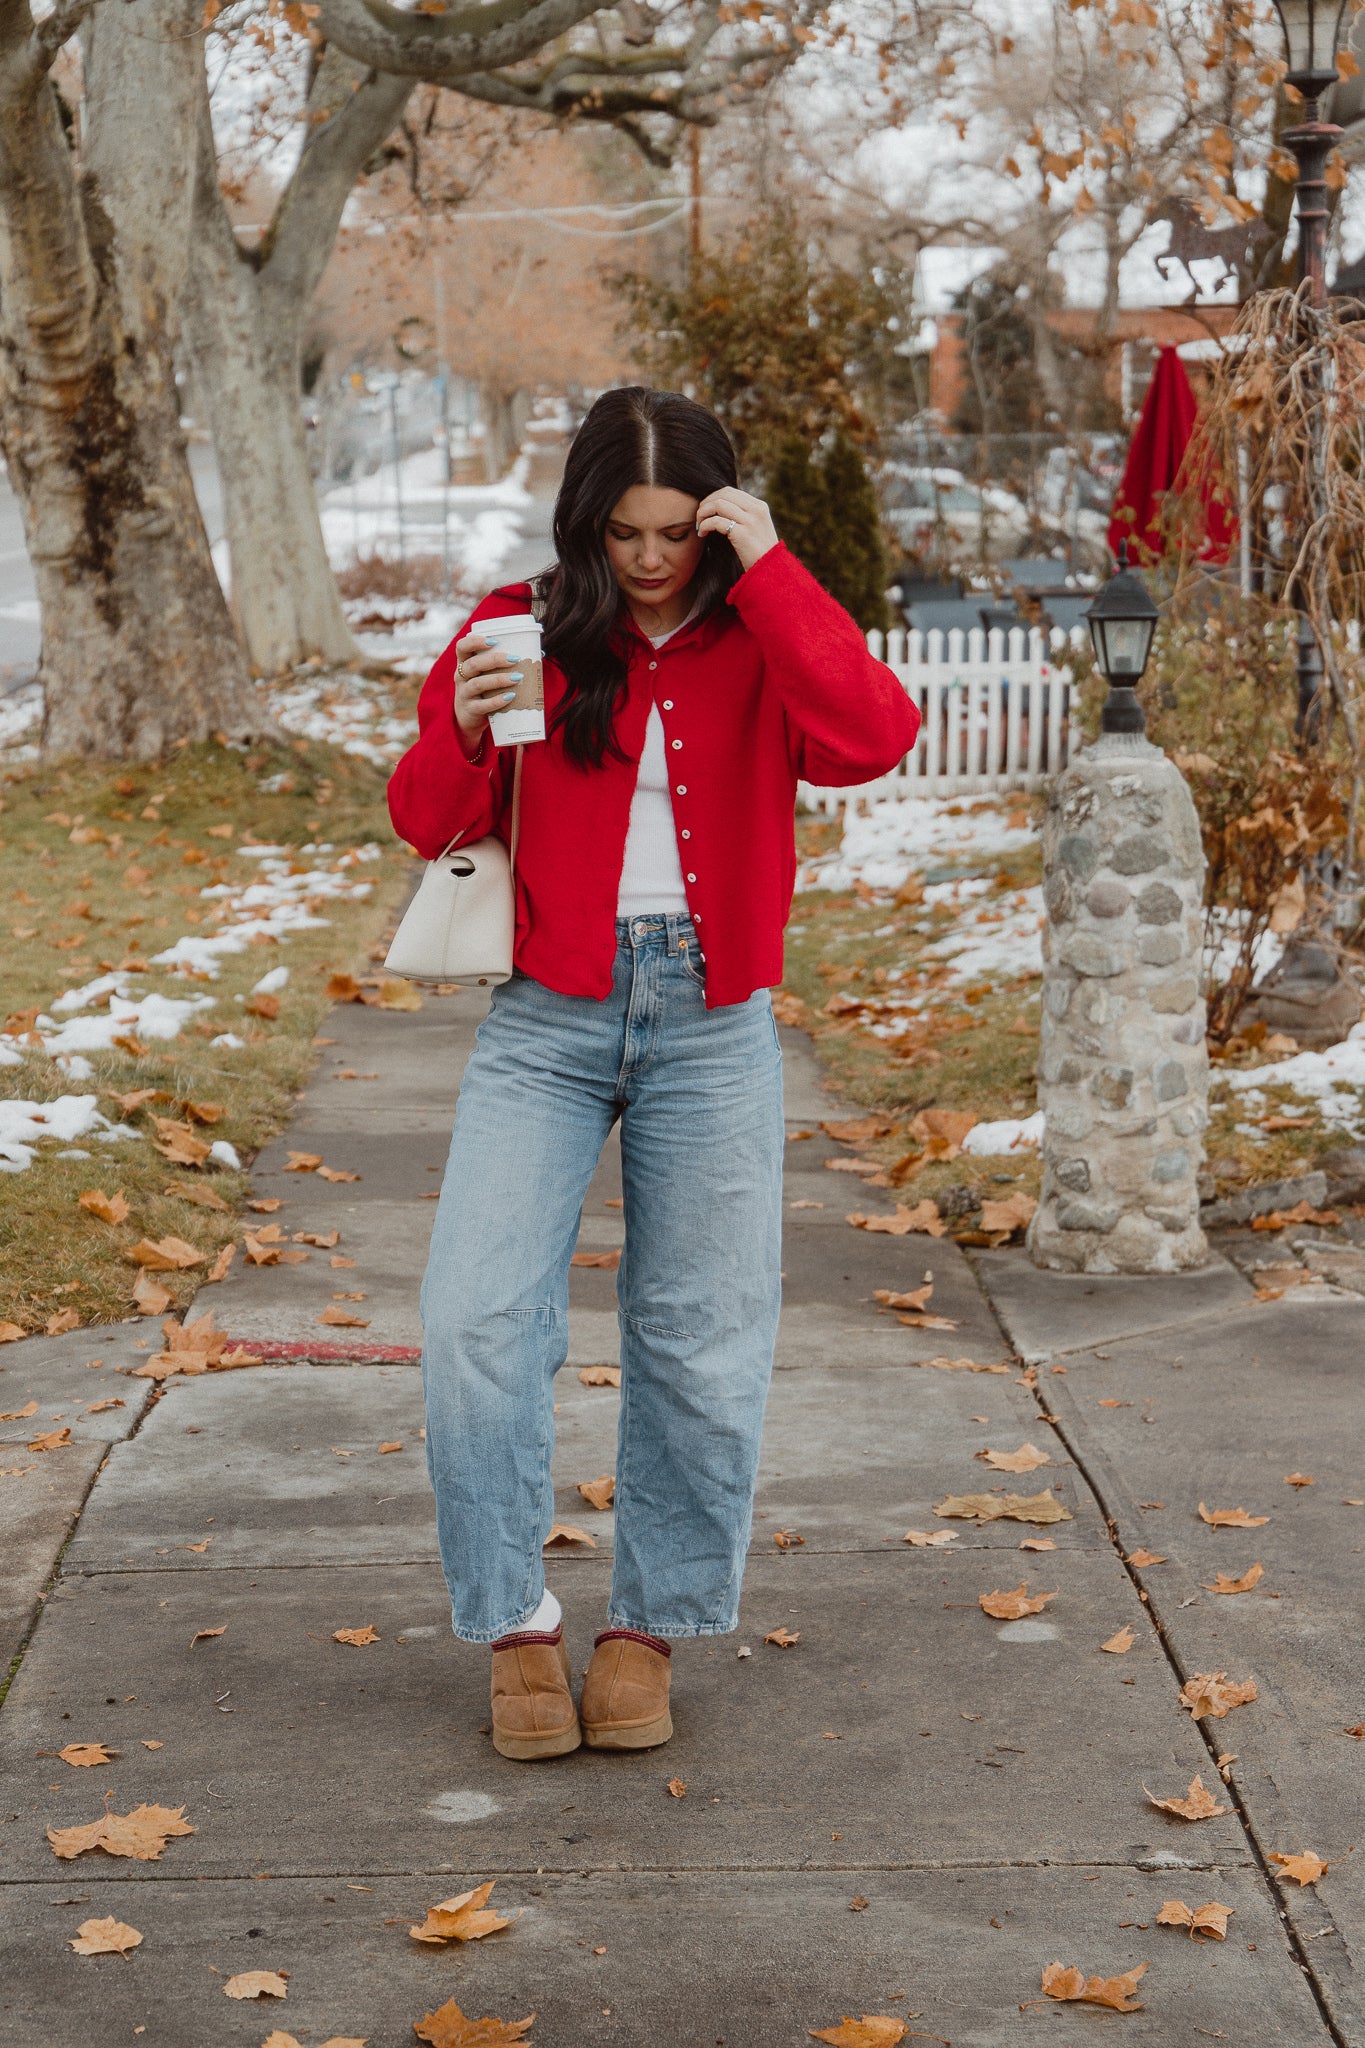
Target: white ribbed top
(651, 873)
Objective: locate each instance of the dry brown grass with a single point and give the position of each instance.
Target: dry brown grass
(85, 915)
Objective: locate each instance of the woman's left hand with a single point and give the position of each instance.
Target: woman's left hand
(746, 523)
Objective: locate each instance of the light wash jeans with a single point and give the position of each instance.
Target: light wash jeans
(699, 1095)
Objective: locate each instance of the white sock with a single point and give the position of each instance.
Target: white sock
(544, 1621)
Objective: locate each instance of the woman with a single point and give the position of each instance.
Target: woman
(693, 672)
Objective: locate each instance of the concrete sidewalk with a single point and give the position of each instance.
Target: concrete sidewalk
(911, 1812)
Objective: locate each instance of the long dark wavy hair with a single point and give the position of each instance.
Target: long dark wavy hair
(631, 436)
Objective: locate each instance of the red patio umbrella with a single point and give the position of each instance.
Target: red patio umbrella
(1155, 466)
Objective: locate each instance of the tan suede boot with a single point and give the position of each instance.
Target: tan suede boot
(533, 1709)
(625, 1694)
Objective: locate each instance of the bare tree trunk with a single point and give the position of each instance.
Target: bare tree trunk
(245, 312)
(501, 437)
(138, 649)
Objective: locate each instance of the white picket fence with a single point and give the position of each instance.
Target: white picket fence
(995, 713)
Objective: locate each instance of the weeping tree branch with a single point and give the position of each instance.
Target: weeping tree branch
(687, 85)
(444, 48)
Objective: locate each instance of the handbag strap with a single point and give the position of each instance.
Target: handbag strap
(516, 806)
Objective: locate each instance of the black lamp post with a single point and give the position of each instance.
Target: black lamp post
(1122, 621)
(1312, 31)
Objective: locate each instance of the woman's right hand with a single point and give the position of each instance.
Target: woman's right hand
(483, 685)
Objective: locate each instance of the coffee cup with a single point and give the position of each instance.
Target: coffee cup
(523, 720)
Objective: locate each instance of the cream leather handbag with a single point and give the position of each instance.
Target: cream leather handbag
(460, 925)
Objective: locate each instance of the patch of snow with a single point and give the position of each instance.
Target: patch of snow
(75, 1065)
(228, 1041)
(23, 1126)
(150, 1016)
(996, 947)
(1322, 1075)
(1011, 1134)
(225, 1154)
(270, 984)
(897, 836)
(10, 1058)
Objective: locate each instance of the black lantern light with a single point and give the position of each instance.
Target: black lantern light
(1122, 621)
(1312, 29)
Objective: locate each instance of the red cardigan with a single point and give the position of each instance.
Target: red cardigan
(775, 685)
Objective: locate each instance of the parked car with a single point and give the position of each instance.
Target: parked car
(938, 512)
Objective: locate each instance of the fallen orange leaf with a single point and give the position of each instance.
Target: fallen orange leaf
(165, 1255)
(204, 1112)
(1122, 1642)
(923, 1539)
(109, 1208)
(385, 1449)
(64, 1320)
(676, 1788)
(81, 1755)
(1143, 1558)
(1197, 1804)
(1211, 1919)
(1027, 1458)
(206, 1635)
(600, 1375)
(202, 1196)
(598, 1493)
(219, 1269)
(257, 1984)
(1304, 1868)
(1010, 1215)
(1037, 1543)
(19, 1414)
(448, 2027)
(303, 1162)
(1059, 1981)
(1252, 1576)
(857, 1130)
(462, 1918)
(918, 1297)
(608, 1261)
(787, 1539)
(141, 1834)
(10, 1333)
(342, 1319)
(923, 1217)
(1230, 1518)
(357, 1637)
(1041, 1508)
(104, 1938)
(563, 1534)
(1298, 1479)
(336, 1173)
(55, 1440)
(1207, 1696)
(873, 2030)
(1013, 1606)
(785, 1639)
(177, 1142)
(151, 1297)
(323, 1239)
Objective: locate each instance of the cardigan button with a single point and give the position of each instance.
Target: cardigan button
(681, 789)
(686, 834)
(677, 746)
(668, 703)
(654, 664)
(691, 878)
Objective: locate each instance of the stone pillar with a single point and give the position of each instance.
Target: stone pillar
(1123, 1073)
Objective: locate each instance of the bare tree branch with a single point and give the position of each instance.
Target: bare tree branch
(61, 25)
(445, 48)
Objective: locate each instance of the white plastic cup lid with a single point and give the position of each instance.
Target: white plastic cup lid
(517, 626)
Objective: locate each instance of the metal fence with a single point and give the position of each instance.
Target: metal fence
(995, 713)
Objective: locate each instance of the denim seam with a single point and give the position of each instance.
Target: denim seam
(650, 1329)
